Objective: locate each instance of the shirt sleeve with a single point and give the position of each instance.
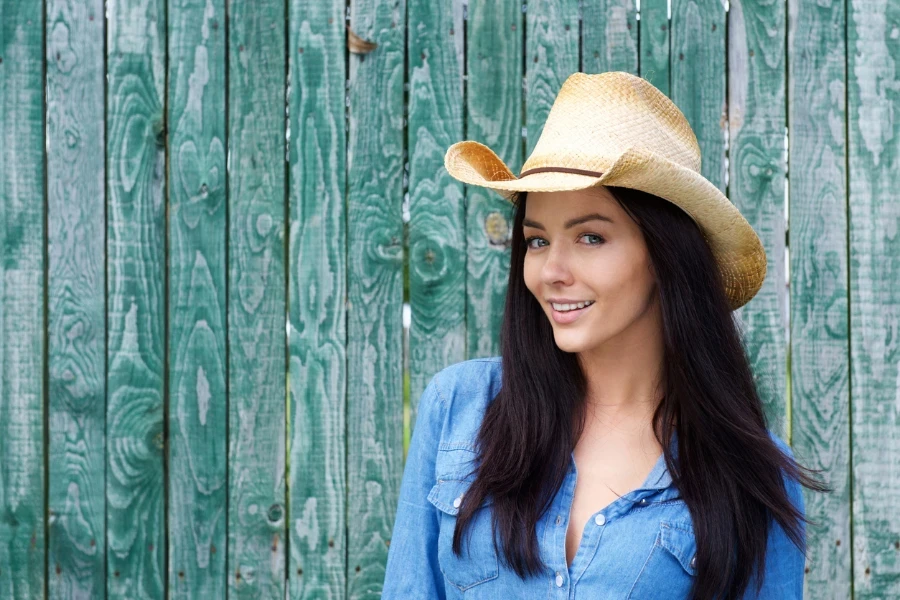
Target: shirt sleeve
(412, 568)
(785, 563)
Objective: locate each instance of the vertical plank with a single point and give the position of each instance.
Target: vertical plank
(22, 286)
(494, 116)
(698, 78)
(374, 325)
(818, 300)
(757, 165)
(136, 234)
(551, 56)
(654, 34)
(437, 238)
(873, 126)
(196, 352)
(76, 293)
(318, 311)
(256, 300)
(609, 36)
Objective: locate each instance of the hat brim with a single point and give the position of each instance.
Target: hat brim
(734, 243)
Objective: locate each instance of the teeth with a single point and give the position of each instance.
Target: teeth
(565, 307)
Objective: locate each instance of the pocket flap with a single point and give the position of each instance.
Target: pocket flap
(679, 540)
(446, 492)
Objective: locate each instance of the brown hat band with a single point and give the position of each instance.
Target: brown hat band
(561, 170)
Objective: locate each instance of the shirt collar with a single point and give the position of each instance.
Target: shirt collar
(659, 478)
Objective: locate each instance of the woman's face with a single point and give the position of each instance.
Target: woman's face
(581, 246)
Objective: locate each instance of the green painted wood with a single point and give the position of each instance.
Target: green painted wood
(698, 78)
(136, 303)
(76, 290)
(873, 126)
(437, 235)
(198, 405)
(609, 36)
(494, 116)
(818, 301)
(22, 286)
(257, 536)
(318, 294)
(375, 156)
(757, 168)
(551, 55)
(654, 44)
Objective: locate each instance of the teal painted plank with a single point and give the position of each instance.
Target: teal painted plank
(493, 117)
(698, 78)
(819, 355)
(609, 39)
(551, 56)
(198, 416)
(318, 293)
(22, 559)
(654, 34)
(136, 238)
(76, 299)
(757, 166)
(437, 235)
(375, 293)
(256, 300)
(873, 126)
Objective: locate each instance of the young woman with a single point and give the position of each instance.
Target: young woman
(618, 447)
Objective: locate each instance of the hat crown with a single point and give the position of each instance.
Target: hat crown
(597, 117)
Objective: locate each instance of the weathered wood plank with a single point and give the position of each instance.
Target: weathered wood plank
(494, 117)
(873, 125)
(318, 312)
(551, 56)
(818, 267)
(198, 415)
(136, 233)
(22, 286)
(256, 300)
(698, 78)
(609, 36)
(757, 166)
(375, 263)
(76, 299)
(437, 237)
(654, 34)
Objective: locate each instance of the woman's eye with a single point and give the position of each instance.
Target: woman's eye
(594, 235)
(598, 240)
(529, 240)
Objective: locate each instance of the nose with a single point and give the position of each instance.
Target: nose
(555, 270)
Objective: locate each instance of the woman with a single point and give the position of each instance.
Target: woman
(617, 448)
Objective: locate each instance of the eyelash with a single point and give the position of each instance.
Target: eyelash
(534, 237)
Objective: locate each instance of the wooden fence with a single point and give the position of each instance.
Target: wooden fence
(210, 210)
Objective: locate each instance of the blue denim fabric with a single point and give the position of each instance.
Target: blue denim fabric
(641, 546)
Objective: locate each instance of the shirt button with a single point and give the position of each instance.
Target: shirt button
(457, 502)
(558, 519)
(643, 501)
(559, 579)
(694, 562)
(600, 519)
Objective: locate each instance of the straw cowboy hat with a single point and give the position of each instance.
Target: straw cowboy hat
(617, 129)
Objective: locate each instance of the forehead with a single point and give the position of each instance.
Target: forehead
(554, 208)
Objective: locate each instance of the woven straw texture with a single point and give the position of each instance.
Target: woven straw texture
(631, 135)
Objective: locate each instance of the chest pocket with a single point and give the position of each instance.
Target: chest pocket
(671, 566)
(477, 563)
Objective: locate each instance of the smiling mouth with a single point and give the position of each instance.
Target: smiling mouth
(568, 316)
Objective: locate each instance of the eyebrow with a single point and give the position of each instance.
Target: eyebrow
(571, 222)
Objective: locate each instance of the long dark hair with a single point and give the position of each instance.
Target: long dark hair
(729, 471)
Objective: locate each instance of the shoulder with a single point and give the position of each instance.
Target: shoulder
(465, 389)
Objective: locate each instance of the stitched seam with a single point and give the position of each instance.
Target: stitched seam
(437, 387)
(644, 566)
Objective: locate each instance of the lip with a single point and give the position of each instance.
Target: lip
(570, 315)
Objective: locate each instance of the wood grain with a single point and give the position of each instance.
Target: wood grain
(494, 116)
(76, 244)
(318, 296)
(654, 43)
(873, 125)
(818, 302)
(198, 409)
(609, 36)
(136, 311)
(437, 235)
(22, 287)
(257, 371)
(375, 292)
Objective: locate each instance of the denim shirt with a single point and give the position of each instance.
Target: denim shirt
(640, 546)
